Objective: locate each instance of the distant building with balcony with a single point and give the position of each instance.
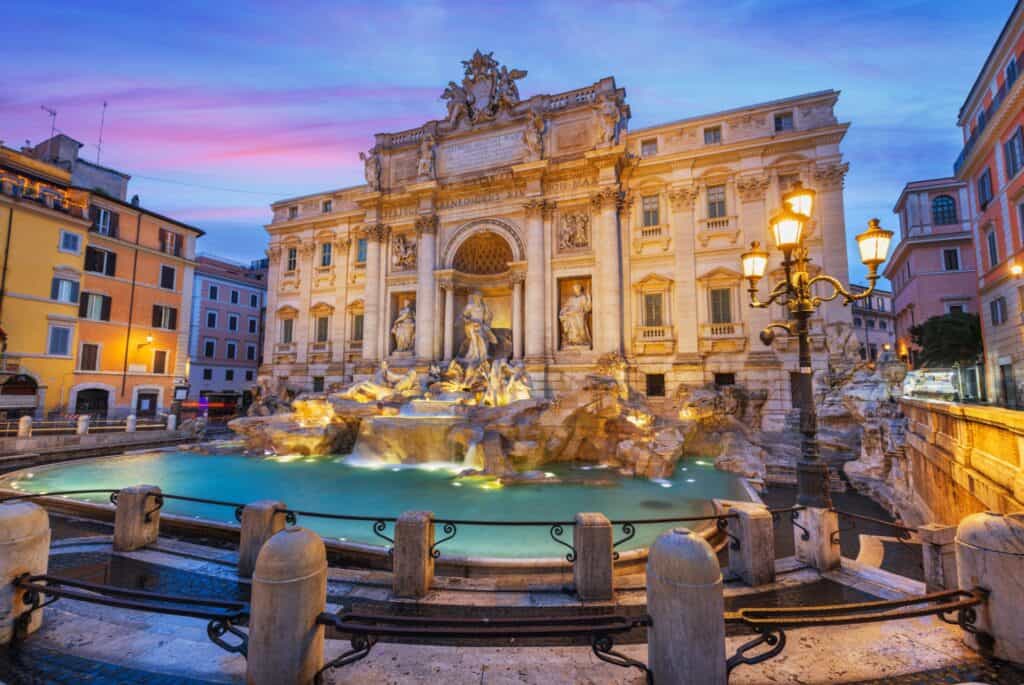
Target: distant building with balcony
(226, 345)
(992, 165)
(873, 322)
(933, 266)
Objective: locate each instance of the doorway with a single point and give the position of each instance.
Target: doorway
(1008, 386)
(93, 402)
(145, 404)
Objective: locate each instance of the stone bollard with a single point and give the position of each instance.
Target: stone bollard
(172, 422)
(131, 529)
(83, 425)
(817, 551)
(130, 423)
(289, 591)
(593, 571)
(413, 565)
(754, 561)
(938, 553)
(25, 427)
(260, 521)
(24, 548)
(990, 555)
(686, 640)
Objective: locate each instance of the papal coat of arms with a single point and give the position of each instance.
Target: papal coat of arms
(486, 90)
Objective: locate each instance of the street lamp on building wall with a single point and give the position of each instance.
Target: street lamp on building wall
(795, 293)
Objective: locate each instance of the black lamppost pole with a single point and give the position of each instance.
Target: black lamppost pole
(796, 294)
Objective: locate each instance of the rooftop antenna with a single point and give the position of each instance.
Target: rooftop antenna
(103, 118)
(53, 129)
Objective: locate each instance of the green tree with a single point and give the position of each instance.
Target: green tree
(944, 340)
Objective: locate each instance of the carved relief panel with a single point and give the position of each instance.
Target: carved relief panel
(573, 230)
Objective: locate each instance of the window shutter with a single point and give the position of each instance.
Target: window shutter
(90, 259)
(173, 325)
(114, 221)
(156, 316)
(111, 263)
(83, 304)
(54, 289)
(94, 216)
(105, 308)
(74, 291)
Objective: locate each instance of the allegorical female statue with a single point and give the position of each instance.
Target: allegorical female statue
(404, 329)
(573, 317)
(476, 322)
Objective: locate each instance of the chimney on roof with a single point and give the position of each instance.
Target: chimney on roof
(135, 200)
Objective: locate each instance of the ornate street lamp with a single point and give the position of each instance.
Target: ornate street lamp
(795, 292)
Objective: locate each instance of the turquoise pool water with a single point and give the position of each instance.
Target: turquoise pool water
(328, 484)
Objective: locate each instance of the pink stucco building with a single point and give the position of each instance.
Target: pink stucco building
(933, 268)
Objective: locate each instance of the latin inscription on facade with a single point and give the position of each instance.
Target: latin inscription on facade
(480, 153)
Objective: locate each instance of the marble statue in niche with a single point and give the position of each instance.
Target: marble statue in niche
(476, 322)
(403, 253)
(573, 317)
(533, 136)
(404, 329)
(425, 166)
(371, 168)
(608, 117)
(574, 232)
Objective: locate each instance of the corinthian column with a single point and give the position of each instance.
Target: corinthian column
(449, 318)
(517, 314)
(607, 291)
(426, 229)
(535, 281)
(376, 234)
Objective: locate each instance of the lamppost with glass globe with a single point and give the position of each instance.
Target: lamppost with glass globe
(794, 291)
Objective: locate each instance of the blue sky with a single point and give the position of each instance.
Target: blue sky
(217, 109)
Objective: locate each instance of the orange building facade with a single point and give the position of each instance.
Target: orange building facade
(132, 346)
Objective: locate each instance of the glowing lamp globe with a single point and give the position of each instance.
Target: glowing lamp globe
(799, 200)
(788, 230)
(874, 244)
(754, 262)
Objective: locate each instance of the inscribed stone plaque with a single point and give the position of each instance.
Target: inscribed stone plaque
(571, 136)
(479, 153)
(403, 167)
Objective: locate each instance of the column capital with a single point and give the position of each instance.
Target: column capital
(752, 188)
(426, 224)
(342, 241)
(604, 197)
(517, 277)
(536, 207)
(377, 233)
(274, 253)
(831, 176)
(682, 198)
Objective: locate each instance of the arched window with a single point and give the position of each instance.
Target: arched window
(943, 210)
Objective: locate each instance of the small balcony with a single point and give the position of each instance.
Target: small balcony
(723, 337)
(651, 239)
(320, 351)
(654, 340)
(284, 351)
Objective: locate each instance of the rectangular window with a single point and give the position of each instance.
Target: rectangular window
(287, 327)
(207, 374)
(328, 206)
(232, 350)
(254, 300)
(955, 309)
(881, 326)
(250, 353)
(649, 148)
(655, 383)
(870, 323)
(59, 341)
(94, 306)
(1011, 72)
(293, 259)
(985, 188)
(951, 259)
(723, 379)
(997, 310)
(104, 221)
(721, 305)
(70, 242)
(293, 212)
(232, 322)
(325, 254)
(167, 277)
(322, 323)
(361, 251)
(252, 325)
(713, 135)
(160, 361)
(229, 374)
(784, 121)
(653, 315)
(857, 322)
(318, 383)
(89, 357)
(214, 293)
(170, 242)
(248, 375)
(993, 249)
(100, 261)
(209, 348)
(357, 327)
(234, 297)
(211, 319)
(64, 290)
(165, 317)
(716, 202)
(649, 207)
(1013, 150)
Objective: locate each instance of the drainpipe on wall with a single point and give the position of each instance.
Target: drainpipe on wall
(7, 255)
(131, 303)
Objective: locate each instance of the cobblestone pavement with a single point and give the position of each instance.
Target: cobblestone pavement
(33, 665)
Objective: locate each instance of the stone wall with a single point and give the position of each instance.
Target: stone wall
(962, 459)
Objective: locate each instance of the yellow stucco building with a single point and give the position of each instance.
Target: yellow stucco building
(43, 227)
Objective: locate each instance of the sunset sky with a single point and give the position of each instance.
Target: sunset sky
(218, 109)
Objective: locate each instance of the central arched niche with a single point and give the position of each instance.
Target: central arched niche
(483, 253)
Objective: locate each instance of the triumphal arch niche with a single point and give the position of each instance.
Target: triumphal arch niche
(540, 228)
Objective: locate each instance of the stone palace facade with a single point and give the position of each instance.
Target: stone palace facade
(573, 239)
